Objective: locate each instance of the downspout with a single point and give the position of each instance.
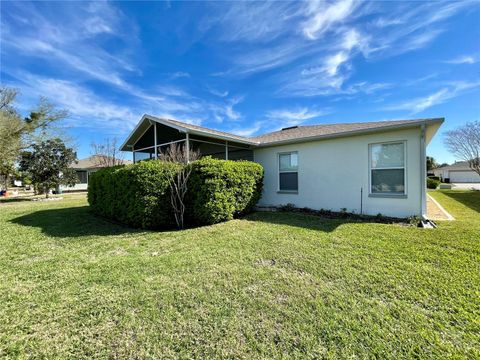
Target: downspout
(187, 143)
(155, 139)
(423, 173)
(226, 150)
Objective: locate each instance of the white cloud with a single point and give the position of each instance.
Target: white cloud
(297, 115)
(466, 59)
(325, 15)
(449, 91)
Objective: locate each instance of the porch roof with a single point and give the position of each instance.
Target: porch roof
(148, 120)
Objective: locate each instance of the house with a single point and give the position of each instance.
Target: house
(369, 168)
(84, 167)
(460, 172)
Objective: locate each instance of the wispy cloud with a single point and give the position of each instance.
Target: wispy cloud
(465, 59)
(323, 16)
(449, 91)
(298, 115)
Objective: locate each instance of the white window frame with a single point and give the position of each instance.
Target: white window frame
(404, 168)
(279, 172)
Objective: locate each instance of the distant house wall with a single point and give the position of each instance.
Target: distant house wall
(82, 185)
(331, 174)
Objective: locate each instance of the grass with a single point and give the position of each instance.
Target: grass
(269, 286)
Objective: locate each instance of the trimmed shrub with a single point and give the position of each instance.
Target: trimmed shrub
(434, 177)
(432, 184)
(219, 190)
(137, 195)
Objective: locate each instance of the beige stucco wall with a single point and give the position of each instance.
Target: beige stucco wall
(332, 172)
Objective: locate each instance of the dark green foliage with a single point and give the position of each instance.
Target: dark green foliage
(137, 195)
(432, 184)
(48, 164)
(434, 178)
(220, 190)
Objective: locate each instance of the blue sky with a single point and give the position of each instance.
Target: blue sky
(247, 68)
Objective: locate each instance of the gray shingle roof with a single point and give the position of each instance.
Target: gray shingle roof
(289, 135)
(91, 163)
(314, 131)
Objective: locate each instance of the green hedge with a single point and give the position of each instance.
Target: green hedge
(220, 190)
(139, 194)
(432, 184)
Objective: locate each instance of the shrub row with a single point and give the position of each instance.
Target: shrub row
(139, 194)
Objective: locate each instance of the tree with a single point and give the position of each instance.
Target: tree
(19, 134)
(464, 143)
(107, 154)
(10, 134)
(431, 163)
(178, 183)
(48, 165)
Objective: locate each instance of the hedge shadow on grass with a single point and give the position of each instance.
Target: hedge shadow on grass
(469, 198)
(315, 222)
(72, 222)
(305, 221)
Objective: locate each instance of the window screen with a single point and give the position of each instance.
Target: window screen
(288, 171)
(387, 168)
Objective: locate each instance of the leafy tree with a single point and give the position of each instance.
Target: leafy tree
(431, 163)
(48, 165)
(19, 134)
(464, 143)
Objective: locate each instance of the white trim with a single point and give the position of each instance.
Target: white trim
(404, 168)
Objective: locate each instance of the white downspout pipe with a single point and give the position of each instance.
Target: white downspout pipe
(155, 139)
(226, 150)
(423, 172)
(187, 144)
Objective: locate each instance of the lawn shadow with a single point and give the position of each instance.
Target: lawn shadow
(470, 199)
(71, 222)
(306, 221)
(9, 200)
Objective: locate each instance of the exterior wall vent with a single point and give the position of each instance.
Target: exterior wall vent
(290, 127)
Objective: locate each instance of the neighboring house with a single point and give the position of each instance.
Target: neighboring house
(460, 172)
(370, 168)
(84, 168)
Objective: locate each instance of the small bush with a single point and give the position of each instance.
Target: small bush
(434, 178)
(220, 190)
(137, 195)
(432, 184)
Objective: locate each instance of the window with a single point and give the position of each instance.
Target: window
(82, 177)
(288, 171)
(387, 168)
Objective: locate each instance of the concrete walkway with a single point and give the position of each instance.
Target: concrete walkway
(435, 211)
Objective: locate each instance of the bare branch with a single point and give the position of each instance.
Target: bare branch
(464, 143)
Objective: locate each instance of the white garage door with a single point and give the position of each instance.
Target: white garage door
(464, 177)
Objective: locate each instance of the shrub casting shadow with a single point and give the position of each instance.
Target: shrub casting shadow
(72, 222)
(467, 198)
(312, 220)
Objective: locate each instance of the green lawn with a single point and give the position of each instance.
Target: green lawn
(268, 286)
